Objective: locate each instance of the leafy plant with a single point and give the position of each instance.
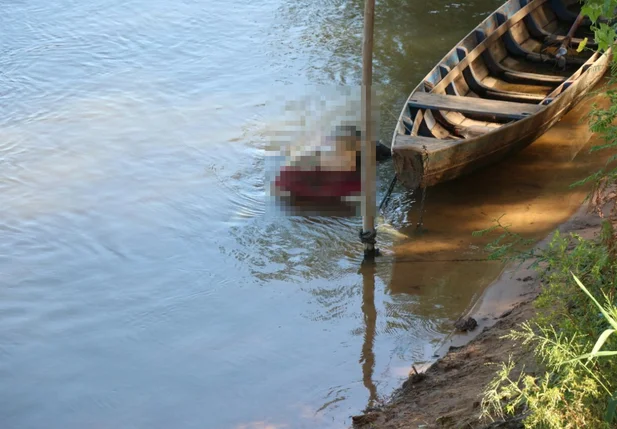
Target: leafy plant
(575, 384)
(573, 336)
(610, 314)
(603, 120)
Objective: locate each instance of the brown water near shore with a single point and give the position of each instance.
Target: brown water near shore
(530, 193)
(448, 391)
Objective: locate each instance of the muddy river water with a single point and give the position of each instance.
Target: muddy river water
(143, 281)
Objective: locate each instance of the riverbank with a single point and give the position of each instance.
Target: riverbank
(448, 393)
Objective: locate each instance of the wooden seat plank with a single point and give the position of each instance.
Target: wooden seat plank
(536, 30)
(504, 109)
(516, 49)
(476, 85)
(507, 74)
(499, 31)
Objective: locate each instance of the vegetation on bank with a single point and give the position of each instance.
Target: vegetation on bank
(574, 334)
(572, 338)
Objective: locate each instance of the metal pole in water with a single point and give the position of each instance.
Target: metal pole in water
(368, 234)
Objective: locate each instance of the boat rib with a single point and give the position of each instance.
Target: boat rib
(494, 93)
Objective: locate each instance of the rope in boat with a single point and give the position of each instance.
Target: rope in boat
(424, 191)
(421, 218)
(386, 197)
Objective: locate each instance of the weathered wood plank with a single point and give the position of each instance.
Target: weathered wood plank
(591, 44)
(499, 31)
(418, 142)
(510, 75)
(516, 49)
(504, 109)
(573, 77)
(485, 91)
(426, 161)
(416, 122)
(537, 31)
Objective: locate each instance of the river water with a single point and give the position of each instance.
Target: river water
(143, 281)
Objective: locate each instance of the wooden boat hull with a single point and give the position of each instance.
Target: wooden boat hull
(428, 160)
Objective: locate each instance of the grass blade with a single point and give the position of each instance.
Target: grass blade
(592, 355)
(612, 321)
(611, 408)
(601, 340)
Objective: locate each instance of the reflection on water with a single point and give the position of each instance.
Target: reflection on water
(143, 282)
(367, 357)
(331, 207)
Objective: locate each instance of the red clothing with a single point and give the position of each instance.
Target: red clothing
(319, 183)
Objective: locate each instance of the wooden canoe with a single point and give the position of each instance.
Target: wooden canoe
(495, 92)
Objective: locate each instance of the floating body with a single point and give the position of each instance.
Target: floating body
(494, 93)
(330, 170)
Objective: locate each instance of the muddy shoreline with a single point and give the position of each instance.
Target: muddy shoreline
(448, 391)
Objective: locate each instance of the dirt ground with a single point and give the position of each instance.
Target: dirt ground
(449, 392)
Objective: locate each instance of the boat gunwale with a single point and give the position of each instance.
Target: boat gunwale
(409, 158)
(470, 38)
(449, 54)
(453, 144)
(542, 110)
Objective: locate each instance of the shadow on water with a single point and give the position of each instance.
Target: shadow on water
(369, 311)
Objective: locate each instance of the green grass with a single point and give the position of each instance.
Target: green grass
(572, 338)
(574, 333)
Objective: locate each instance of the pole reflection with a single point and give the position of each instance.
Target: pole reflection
(367, 357)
